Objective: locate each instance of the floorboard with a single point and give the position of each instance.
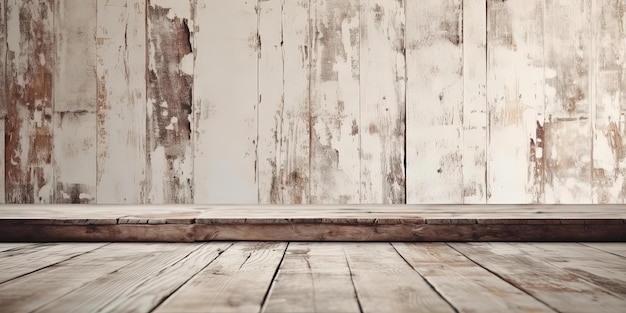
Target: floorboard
(316, 277)
(556, 287)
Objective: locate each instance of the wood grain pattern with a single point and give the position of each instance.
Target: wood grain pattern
(558, 288)
(283, 150)
(30, 293)
(235, 282)
(613, 248)
(378, 284)
(515, 72)
(23, 260)
(226, 100)
(608, 102)
(121, 105)
(474, 101)
(75, 99)
(466, 285)
(155, 288)
(567, 129)
(434, 107)
(382, 101)
(3, 94)
(96, 295)
(30, 63)
(169, 96)
(334, 88)
(313, 277)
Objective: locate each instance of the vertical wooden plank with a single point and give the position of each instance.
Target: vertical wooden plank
(75, 101)
(335, 170)
(516, 101)
(474, 101)
(225, 88)
(121, 72)
(283, 152)
(30, 59)
(382, 101)
(567, 142)
(609, 121)
(2, 167)
(434, 61)
(3, 93)
(169, 96)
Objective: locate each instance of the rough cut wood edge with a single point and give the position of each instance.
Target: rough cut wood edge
(130, 233)
(410, 232)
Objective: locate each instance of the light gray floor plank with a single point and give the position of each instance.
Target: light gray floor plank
(153, 290)
(552, 285)
(97, 295)
(237, 281)
(386, 283)
(30, 292)
(617, 248)
(14, 246)
(601, 268)
(314, 277)
(25, 259)
(466, 285)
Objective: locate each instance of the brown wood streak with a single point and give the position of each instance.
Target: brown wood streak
(3, 94)
(170, 97)
(29, 106)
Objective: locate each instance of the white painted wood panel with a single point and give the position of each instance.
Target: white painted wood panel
(382, 101)
(567, 129)
(515, 93)
(335, 73)
(225, 102)
(29, 126)
(283, 152)
(608, 101)
(75, 100)
(434, 107)
(474, 101)
(121, 72)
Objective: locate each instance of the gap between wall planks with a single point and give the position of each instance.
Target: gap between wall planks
(286, 111)
(3, 93)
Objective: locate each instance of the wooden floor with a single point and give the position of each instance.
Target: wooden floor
(312, 277)
(189, 223)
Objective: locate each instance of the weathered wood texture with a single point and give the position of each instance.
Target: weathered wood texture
(296, 102)
(169, 96)
(609, 102)
(382, 101)
(283, 148)
(434, 122)
(121, 104)
(515, 93)
(29, 127)
(310, 277)
(185, 223)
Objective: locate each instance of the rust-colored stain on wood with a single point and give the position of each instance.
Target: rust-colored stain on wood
(170, 108)
(28, 159)
(357, 101)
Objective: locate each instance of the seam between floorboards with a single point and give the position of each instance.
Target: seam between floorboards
(190, 277)
(425, 279)
(504, 279)
(53, 264)
(609, 252)
(356, 293)
(271, 286)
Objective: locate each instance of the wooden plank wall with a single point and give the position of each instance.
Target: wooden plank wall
(312, 101)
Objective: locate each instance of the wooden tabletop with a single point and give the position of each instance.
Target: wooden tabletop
(313, 222)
